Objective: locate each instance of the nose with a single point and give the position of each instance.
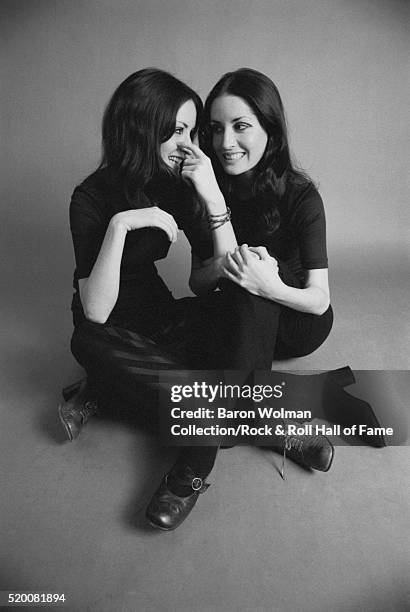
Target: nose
(185, 139)
(228, 139)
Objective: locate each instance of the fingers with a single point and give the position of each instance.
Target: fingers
(244, 255)
(241, 257)
(168, 228)
(188, 174)
(190, 162)
(166, 222)
(152, 216)
(228, 274)
(261, 252)
(231, 264)
(171, 231)
(188, 167)
(238, 256)
(193, 150)
(247, 254)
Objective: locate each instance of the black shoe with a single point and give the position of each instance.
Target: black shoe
(167, 510)
(77, 409)
(315, 452)
(347, 410)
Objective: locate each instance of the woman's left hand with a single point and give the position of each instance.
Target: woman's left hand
(253, 269)
(197, 168)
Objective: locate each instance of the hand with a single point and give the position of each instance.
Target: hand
(255, 270)
(197, 168)
(147, 217)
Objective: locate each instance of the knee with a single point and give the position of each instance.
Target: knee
(86, 339)
(305, 341)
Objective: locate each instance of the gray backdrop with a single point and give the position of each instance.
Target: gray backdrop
(73, 514)
(340, 65)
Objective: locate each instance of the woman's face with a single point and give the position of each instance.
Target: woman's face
(185, 122)
(238, 138)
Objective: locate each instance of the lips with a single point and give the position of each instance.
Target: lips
(233, 156)
(175, 159)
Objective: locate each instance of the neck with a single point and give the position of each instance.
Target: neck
(242, 185)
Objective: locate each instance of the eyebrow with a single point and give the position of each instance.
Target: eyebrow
(233, 120)
(184, 124)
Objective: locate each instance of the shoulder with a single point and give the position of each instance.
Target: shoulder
(303, 200)
(300, 191)
(95, 187)
(90, 201)
(100, 193)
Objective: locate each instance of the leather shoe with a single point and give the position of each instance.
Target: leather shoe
(315, 452)
(167, 510)
(77, 409)
(341, 407)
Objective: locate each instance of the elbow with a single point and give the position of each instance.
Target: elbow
(94, 317)
(322, 307)
(95, 310)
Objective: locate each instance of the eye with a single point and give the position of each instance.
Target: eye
(216, 129)
(240, 127)
(179, 130)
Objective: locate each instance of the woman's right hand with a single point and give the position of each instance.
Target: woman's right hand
(197, 168)
(153, 216)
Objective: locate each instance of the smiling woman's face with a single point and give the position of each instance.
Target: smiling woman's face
(238, 138)
(185, 122)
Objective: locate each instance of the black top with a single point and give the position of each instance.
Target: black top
(300, 240)
(144, 300)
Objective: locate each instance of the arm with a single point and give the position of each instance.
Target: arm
(197, 169)
(313, 298)
(260, 276)
(99, 292)
(205, 275)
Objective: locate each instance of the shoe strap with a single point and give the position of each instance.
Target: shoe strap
(196, 484)
(89, 408)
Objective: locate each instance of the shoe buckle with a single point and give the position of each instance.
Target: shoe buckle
(196, 484)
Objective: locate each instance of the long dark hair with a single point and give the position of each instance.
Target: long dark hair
(275, 169)
(139, 117)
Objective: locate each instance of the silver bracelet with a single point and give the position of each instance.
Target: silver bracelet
(216, 221)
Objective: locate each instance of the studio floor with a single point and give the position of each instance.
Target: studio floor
(72, 514)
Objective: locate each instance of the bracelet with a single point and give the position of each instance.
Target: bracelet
(216, 221)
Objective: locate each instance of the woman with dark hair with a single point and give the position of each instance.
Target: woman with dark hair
(267, 241)
(123, 218)
(261, 202)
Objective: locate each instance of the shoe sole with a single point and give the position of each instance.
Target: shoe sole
(331, 459)
(161, 528)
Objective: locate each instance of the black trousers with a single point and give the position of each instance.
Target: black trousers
(231, 329)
